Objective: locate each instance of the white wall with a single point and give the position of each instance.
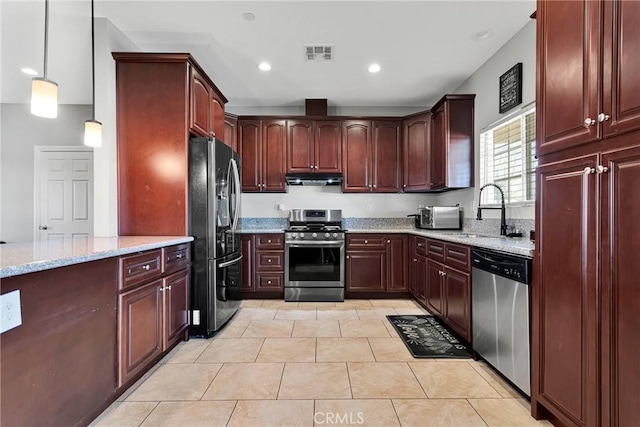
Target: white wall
(21, 132)
(264, 205)
(108, 39)
(484, 83)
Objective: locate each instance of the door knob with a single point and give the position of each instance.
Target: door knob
(43, 227)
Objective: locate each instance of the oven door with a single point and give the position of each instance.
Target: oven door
(314, 264)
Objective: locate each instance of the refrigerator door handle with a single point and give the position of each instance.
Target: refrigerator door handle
(236, 180)
(230, 215)
(228, 263)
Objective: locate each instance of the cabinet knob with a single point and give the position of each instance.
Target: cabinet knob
(602, 117)
(388, 241)
(420, 245)
(588, 170)
(168, 288)
(269, 260)
(588, 122)
(179, 256)
(268, 241)
(43, 227)
(602, 169)
(366, 241)
(415, 260)
(146, 267)
(347, 256)
(375, 186)
(268, 282)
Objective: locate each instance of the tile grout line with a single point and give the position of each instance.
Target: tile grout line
(485, 380)
(476, 411)
(349, 378)
(149, 414)
(212, 380)
(393, 405)
(231, 413)
(375, 359)
(419, 383)
(284, 367)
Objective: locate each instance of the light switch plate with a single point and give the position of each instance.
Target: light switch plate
(10, 312)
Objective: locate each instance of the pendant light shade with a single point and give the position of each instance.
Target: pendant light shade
(92, 133)
(44, 92)
(93, 128)
(44, 98)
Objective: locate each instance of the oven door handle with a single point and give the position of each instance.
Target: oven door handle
(315, 243)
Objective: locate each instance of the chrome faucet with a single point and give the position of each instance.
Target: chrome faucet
(503, 220)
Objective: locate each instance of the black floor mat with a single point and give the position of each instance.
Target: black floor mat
(426, 337)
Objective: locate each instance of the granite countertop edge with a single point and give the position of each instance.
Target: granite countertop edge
(19, 258)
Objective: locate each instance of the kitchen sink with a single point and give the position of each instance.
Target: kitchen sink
(469, 235)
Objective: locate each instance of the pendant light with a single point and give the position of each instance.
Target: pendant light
(44, 92)
(93, 128)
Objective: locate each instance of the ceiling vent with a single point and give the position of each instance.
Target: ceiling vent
(318, 53)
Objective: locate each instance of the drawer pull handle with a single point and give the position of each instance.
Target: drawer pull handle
(420, 245)
(146, 267)
(179, 256)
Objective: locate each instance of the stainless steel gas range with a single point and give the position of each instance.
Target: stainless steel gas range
(314, 256)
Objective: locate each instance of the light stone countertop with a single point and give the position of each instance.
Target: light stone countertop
(513, 245)
(29, 257)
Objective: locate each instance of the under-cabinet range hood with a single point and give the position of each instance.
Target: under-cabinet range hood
(317, 178)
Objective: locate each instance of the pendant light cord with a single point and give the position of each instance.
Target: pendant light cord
(46, 36)
(93, 67)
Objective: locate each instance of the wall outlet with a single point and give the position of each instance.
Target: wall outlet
(369, 207)
(10, 311)
(280, 206)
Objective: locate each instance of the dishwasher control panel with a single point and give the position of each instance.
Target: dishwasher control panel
(509, 266)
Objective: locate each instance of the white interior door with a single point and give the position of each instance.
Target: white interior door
(64, 193)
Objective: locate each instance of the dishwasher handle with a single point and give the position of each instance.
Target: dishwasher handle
(504, 265)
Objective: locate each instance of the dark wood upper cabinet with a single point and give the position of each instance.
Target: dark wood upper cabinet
(328, 146)
(386, 156)
(274, 151)
(231, 131)
(452, 143)
(300, 146)
(356, 155)
(217, 119)
(250, 150)
(160, 99)
(416, 143)
(314, 146)
(199, 118)
(599, 96)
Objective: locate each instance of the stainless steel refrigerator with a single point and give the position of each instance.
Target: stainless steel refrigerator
(214, 213)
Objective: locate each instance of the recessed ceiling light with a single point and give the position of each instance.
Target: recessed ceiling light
(264, 66)
(374, 68)
(249, 16)
(29, 71)
(483, 34)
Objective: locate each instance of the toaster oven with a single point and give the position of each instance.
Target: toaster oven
(439, 218)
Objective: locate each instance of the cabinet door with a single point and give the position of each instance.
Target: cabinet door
(249, 146)
(434, 292)
(367, 271)
(300, 146)
(274, 154)
(421, 279)
(397, 269)
(176, 307)
(356, 160)
(270, 281)
(621, 66)
(568, 32)
(387, 157)
(200, 104)
(216, 120)
(231, 131)
(416, 149)
(620, 210)
(457, 287)
(564, 327)
(247, 244)
(438, 170)
(140, 332)
(328, 146)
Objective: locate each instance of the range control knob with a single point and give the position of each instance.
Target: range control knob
(314, 235)
(301, 235)
(327, 235)
(335, 235)
(294, 235)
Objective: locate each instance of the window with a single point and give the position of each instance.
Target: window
(507, 158)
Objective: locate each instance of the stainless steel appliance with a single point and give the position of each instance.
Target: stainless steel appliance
(500, 313)
(439, 218)
(314, 256)
(214, 210)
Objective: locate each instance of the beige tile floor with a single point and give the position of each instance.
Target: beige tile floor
(315, 364)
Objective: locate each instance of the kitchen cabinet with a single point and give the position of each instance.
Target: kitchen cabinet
(434, 295)
(262, 146)
(372, 156)
(416, 146)
(231, 131)
(216, 118)
(587, 203)
(457, 294)
(263, 264)
(600, 96)
(417, 268)
(314, 146)
(153, 312)
(160, 100)
(376, 263)
(451, 163)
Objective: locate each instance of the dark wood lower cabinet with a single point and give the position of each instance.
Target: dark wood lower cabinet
(263, 265)
(247, 247)
(457, 287)
(420, 291)
(366, 271)
(434, 293)
(176, 307)
(397, 273)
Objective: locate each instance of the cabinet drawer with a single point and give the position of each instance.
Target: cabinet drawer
(366, 241)
(269, 281)
(176, 258)
(421, 246)
(269, 241)
(269, 261)
(136, 269)
(435, 250)
(458, 256)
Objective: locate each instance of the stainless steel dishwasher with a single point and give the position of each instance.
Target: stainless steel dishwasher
(500, 313)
